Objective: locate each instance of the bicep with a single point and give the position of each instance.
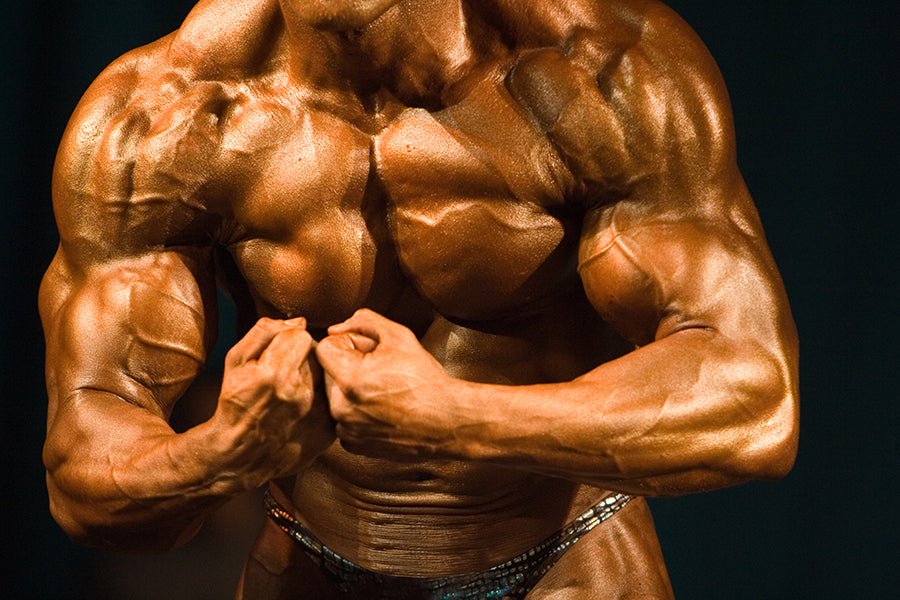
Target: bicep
(124, 340)
(681, 245)
(653, 274)
(137, 329)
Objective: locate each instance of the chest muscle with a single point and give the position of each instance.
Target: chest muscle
(476, 197)
(312, 231)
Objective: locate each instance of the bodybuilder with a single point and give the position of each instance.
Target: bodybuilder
(505, 277)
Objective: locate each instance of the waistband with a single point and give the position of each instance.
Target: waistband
(509, 580)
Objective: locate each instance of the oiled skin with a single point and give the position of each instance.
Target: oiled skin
(567, 287)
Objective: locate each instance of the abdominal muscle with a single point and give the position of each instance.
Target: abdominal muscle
(439, 518)
(431, 519)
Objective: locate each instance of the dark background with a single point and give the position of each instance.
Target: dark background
(814, 91)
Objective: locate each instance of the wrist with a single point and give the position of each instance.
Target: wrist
(473, 419)
(222, 454)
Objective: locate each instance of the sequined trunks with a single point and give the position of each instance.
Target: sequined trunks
(511, 580)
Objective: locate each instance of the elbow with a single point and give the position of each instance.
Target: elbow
(780, 452)
(769, 444)
(79, 520)
(75, 509)
(92, 511)
(66, 517)
(766, 389)
(95, 523)
(769, 458)
(93, 532)
(64, 506)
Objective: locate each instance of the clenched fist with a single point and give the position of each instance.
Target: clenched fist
(273, 414)
(389, 396)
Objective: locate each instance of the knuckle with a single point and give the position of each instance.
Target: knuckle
(340, 412)
(324, 346)
(264, 323)
(407, 333)
(264, 371)
(296, 394)
(231, 357)
(298, 338)
(303, 336)
(347, 390)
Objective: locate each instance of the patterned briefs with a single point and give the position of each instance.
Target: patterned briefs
(511, 580)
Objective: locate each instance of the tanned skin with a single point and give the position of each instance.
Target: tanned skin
(503, 262)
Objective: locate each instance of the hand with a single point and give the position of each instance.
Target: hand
(389, 396)
(272, 409)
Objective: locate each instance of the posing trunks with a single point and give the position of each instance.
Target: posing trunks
(511, 580)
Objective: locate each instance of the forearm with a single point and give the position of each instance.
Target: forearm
(690, 412)
(119, 476)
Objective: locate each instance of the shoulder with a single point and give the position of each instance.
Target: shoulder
(669, 76)
(99, 205)
(91, 162)
(627, 90)
(219, 40)
(140, 146)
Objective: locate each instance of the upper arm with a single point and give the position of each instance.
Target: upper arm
(683, 245)
(670, 238)
(138, 328)
(672, 252)
(128, 303)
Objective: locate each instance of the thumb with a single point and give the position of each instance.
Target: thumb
(339, 355)
(338, 404)
(369, 324)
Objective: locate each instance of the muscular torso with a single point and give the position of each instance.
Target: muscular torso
(462, 223)
(460, 219)
(522, 186)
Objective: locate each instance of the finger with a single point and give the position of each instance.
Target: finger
(370, 324)
(338, 404)
(251, 346)
(288, 349)
(287, 360)
(362, 343)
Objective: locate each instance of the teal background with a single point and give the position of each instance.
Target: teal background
(814, 91)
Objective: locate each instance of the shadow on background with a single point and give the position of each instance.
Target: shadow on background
(814, 94)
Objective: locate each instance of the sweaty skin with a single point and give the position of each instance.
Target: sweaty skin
(500, 258)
